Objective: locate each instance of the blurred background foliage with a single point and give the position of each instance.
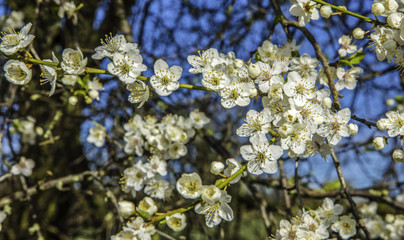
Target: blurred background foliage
(172, 30)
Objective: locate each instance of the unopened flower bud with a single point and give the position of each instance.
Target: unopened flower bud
(394, 19)
(126, 208)
(38, 131)
(382, 124)
(326, 103)
(379, 143)
(358, 33)
(94, 94)
(390, 102)
(398, 155)
(285, 130)
(325, 11)
(73, 100)
(378, 9)
(238, 63)
(390, 218)
(353, 129)
(254, 70)
(253, 93)
(216, 167)
(88, 100)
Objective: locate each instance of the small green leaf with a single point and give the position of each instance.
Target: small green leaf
(144, 214)
(354, 59)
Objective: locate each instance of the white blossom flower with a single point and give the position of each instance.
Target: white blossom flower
(17, 72)
(165, 80)
(394, 123)
(235, 94)
(257, 124)
(127, 67)
(335, 126)
(139, 92)
(329, 212)
(49, 73)
(270, 75)
(346, 46)
(304, 65)
(73, 62)
(198, 119)
(214, 213)
(156, 165)
(261, 157)
(384, 43)
(27, 130)
(14, 20)
(347, 79)
(304, 10)
(368, 210)
(296, 140)
(267, 51)
(110, 45)
(311, 226)
(210, 194)
(300, 89)
(215, 77)
(133, 143)
(177, 150)
(68, 8)
(139, 229)
(319, 146)
(287, 231)
(23, 167)
(177, 222)
(148, 205)
(345, 226)
(14, 41)
(134, 177)
(158, 188)
(189, 185)
(199, 63)
(97, 135)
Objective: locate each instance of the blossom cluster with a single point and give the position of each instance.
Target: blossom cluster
(215, 205)
(394, 125)
(390, 227)
(295, 111)
(315, 224)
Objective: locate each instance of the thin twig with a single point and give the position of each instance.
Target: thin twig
(297, 183)
(341, 178)
(284, 186)
(20, 195)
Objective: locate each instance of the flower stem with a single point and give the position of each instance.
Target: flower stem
(344, 10)
(101, 71)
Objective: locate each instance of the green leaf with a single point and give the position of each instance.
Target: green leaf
(144, 214)
(354, 59)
